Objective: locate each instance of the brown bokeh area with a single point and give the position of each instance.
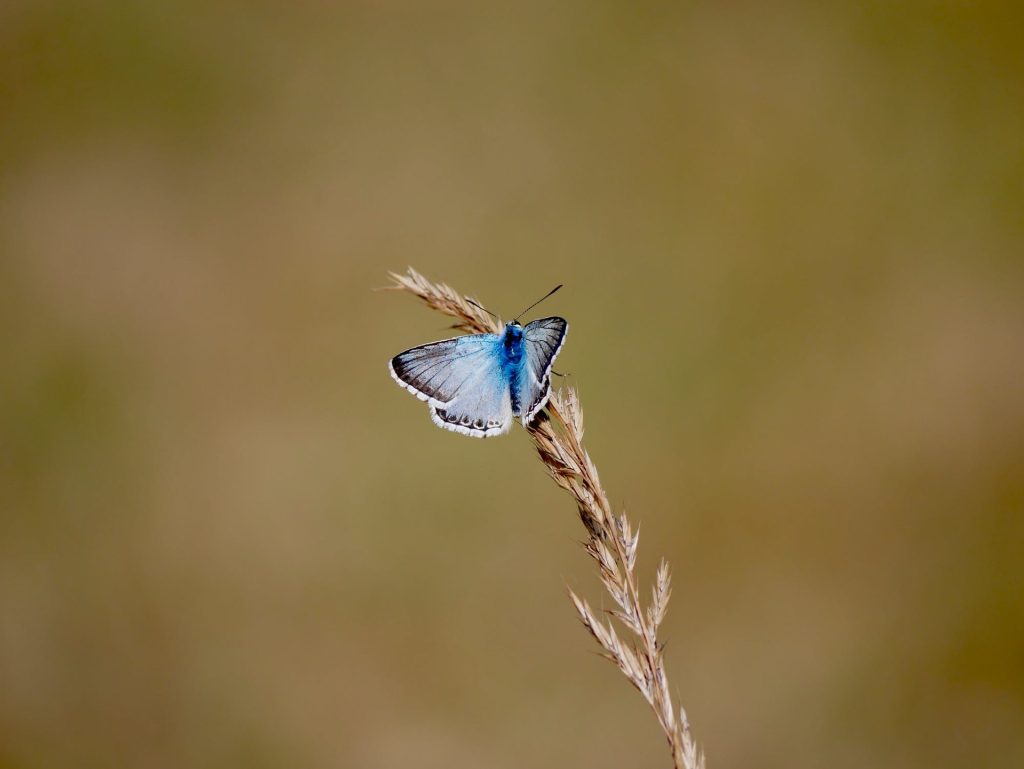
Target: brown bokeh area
(791, 238)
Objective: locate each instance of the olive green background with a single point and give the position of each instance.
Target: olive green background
(791, 237)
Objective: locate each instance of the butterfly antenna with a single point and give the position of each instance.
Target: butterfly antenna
(482, 308)
(549, 293)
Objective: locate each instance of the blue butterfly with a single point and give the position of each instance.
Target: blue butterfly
(476, 384)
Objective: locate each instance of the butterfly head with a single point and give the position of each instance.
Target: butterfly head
(513, 335)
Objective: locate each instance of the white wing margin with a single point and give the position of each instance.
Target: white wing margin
(543, 339)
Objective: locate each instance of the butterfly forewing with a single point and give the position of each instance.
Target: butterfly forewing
(542, 339)
(434, 372)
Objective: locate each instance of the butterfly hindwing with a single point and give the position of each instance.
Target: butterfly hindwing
(463, 381)
(542, 339)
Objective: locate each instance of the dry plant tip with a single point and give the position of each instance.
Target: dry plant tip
(557, 434)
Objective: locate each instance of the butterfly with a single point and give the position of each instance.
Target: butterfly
(476, 384)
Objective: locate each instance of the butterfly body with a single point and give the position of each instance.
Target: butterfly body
(476, 384)
(512, 347)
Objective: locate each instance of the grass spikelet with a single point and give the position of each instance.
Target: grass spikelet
(557, 434)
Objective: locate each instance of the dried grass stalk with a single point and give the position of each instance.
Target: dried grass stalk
(557, 433)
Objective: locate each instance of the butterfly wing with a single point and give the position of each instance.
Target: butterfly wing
(542, 340)
(463, 381)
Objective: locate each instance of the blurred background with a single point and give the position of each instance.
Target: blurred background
(791, 238)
